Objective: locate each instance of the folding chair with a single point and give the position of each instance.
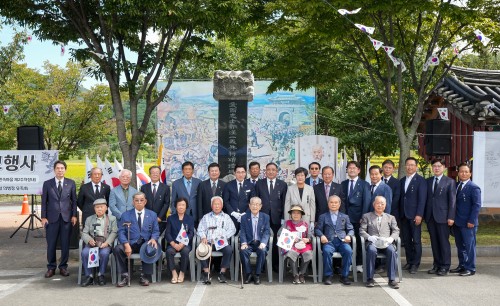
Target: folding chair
(381, 255)
(80, 264)
(337, 255)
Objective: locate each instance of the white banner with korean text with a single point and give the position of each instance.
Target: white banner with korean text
(24, 171)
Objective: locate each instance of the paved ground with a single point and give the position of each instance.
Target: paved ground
(22, 267)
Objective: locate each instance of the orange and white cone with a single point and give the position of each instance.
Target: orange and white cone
(26, 208)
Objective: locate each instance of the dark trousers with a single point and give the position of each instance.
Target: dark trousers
(245, 257)
(440, 244)
(121, 259)
(412, 237)
(359, 256)
(465, 240)
(226, 251)
(103, 259)
(184, 258)
(336, 246)
(61, 230)
(275, 228)
(371, 255)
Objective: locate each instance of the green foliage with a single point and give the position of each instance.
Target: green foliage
(32, 95)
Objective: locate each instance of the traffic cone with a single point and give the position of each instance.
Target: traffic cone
(26, 208)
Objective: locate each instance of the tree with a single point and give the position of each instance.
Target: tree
(32, 95)
(350, 111)
(317, 45)
(137, 41)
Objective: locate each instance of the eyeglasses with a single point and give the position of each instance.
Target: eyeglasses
(314, 168)
(255, 204)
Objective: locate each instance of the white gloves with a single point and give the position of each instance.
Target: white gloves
(372, 239)
(390, 240)
(262, 246)
(237, 216)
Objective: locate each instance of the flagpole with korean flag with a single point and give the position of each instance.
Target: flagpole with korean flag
(367, 177)
(88, 169)
(111, 174)
(118, 166)
(142, 177)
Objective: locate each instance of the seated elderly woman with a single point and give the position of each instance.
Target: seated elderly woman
(100, 231)
(302, 246)
(216, 229)
(178, 237)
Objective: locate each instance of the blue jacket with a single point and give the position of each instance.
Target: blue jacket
(383, 190)
(117, 203)
(54, 204)
(468, 205)
(341, 229)
(263, 228)
(396, 195)
(441, 204)
(357, 203)
(180, 191)
(150, 229)
(413, 201)
(234, 201)
(272, 204)
(174, 226)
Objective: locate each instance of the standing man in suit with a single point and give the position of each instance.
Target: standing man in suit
(440, 216)
(208, 189)
(357, 203)
(388, 167)
(143, 230)
(237, 194)
(314, 179)
(379, 188)
(58, 216)
(466, 221)
(157, 196)
(325, 189)
(412, 207)
(120, 198)
(187, 187)
(254, 237)
(272, 192)
(90, 192)
(381, 230)
(254, 169)
(335, 231)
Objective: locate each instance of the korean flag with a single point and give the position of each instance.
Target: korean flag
(93, 258)
(182, 237)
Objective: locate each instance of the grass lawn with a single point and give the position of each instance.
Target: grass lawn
(487, 235)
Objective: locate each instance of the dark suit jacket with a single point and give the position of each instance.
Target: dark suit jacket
(87, 196)
(441, 204)
(174, 226)
(358, 203)
(396, 194)
(161, 202)
(468, 205)
(325, 226)
(54, 204)
(149, 229)
(272, 204)
(385, 191)
(263, 228)
(205, 196)
(412, 202)
(322, 201)
(308, 181)
(250, 181)
(234, 201)
(179, 190)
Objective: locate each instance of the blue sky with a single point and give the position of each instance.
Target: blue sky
(37, 52)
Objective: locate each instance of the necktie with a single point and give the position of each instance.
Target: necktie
(435, 185)
(271, 187)
(327, 191)
(154, 190)
(372, 189)
(139, 220)
(59, 188)
(314, 182)
(255, 229)
(254, 181)
(214, 188)
(189, 187)
(351, 189)
(97, 190)
(386, 180)
(240, 190)
(460, 187)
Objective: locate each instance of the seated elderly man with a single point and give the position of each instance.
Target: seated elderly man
(254, 237)
(215, 229)
(100, 231)
(380, 229)
(138, 228)
(335, 230)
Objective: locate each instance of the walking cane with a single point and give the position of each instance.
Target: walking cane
(127, 224)
(209, 282)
